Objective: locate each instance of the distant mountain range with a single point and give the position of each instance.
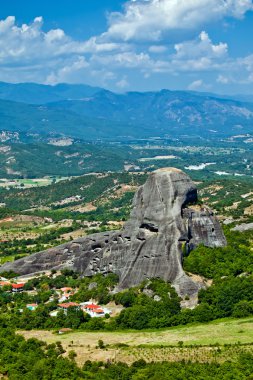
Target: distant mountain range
(33, 93)
(86, 112)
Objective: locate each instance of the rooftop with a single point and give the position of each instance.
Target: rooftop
(17, 286)
(92, 306)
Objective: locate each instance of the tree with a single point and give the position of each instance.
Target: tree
(101, 344)
(72, 355)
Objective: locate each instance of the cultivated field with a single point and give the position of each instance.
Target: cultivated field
(205, 342)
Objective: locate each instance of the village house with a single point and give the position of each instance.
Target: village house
(32, 306)
(94, 310)
(54, 313)
(64, 297)
(66, 290)
(64, 330)
(4, 283)
(65, 306)
(65, 294)
(17, 288)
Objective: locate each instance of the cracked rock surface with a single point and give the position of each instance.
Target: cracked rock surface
(161, 226)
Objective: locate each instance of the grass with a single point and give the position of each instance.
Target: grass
(199, 342)
(6, 259)
(27, 183)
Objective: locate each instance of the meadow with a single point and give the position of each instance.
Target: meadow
(218, 340)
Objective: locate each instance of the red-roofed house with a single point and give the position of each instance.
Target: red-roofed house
(66, 306)
(66, 290)
(4, 283)
(17, 288)
(92, 307)
(94, 310)
(99, 312)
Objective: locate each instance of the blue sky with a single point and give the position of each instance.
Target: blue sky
(200, 45)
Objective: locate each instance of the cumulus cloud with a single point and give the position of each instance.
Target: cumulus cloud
(197, 55)
(28, 53)
(203, 46)
(31, 42)
(149, 19)
(125, 59)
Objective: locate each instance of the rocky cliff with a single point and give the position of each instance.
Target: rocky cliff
(162, 225)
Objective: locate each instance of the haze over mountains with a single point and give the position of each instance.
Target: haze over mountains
(86, 112)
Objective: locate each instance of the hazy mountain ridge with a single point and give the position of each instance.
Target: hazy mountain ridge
(162, 110)
(90, 113)
(34, 93)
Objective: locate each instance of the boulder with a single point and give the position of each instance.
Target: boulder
(92, 285)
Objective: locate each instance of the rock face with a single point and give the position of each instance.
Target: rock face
(160, 228)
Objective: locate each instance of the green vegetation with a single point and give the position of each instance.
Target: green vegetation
(233, 260)
(154, 304)
(40, 159)
(31, 156)
(33, 359)
(88, 187)
(55, 211)
(229, 197)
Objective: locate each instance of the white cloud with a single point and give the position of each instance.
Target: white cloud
(30, 42)
(28, 53)
(69, 72)
(202, 47)
(222, 79)
(124, 59)
(190, 56)
(148, 19)
(195, 56)
(196, 84)
(122, 84)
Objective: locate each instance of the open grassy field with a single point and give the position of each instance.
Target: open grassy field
(28, 183)
(128, 346)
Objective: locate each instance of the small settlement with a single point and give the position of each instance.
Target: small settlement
(63, 296)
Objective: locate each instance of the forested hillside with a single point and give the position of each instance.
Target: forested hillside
(92, 113)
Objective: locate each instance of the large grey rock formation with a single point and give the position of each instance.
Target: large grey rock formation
(162, 225)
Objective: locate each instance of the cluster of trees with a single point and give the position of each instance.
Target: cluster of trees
(149, 306)
(228, 297)
(140, 370)
(233, 260)
(33, 359)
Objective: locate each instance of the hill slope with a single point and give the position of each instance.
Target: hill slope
(92, 113)
(33, 93)
(166, 112)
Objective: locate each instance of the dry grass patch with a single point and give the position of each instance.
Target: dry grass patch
(153, 343)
